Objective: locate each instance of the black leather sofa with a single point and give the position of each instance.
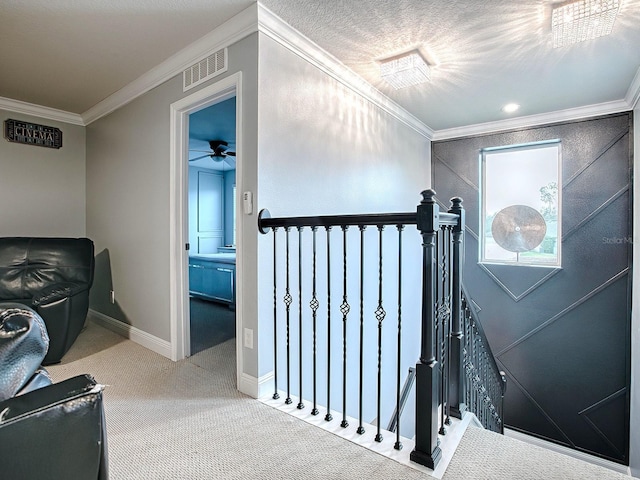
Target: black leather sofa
(53, 276)
(47, 430)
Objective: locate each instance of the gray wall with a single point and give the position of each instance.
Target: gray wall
(128, 213)
(324, 149)
(42, 190)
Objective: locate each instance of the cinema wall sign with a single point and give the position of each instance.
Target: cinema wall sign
(32, 134)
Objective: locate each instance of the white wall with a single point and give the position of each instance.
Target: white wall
(324, 149)
(634, 454)
(42, 190)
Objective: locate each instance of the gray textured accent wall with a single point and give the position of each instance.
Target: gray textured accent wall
(560, 334)
(634, 453)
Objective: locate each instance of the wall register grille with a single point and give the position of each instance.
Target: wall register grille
(205, 69)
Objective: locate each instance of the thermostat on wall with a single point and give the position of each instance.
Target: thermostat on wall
(247, 203)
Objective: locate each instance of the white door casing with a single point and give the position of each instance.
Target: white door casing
(179, 204)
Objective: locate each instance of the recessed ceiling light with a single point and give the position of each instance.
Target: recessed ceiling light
(510, 107)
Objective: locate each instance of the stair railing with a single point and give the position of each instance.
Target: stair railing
(484, 383)
(455, 360)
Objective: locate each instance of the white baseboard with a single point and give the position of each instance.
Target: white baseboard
(256, 387)
(134, 334)
(554, 447)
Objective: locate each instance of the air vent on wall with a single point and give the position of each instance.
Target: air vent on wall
(207, 68)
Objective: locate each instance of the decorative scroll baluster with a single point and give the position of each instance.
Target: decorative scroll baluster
(344, 309)
(328, 417)
(300, 405)
(444, 326)
(276, 395)
(360, 428)
(398, 444)
(314, 304)
(448, 266)
(441, 321)
(380, 314)
(287, 302)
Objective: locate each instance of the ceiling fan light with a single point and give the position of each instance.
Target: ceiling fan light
(583, 20)
(405, 70)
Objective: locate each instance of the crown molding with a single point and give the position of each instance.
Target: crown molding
(257, 18)
(633, 94)
(277, 29)
(230, 32)
(569, 114)
(254, 18)
(40, 111)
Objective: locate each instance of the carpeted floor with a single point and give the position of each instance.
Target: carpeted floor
(186, 420)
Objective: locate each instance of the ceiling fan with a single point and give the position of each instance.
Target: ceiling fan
(219, 151)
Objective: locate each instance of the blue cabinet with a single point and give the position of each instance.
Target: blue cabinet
(212, 280)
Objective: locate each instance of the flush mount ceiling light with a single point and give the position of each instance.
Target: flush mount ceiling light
(405, 70)
(583, 20)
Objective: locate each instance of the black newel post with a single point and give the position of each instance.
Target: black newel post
(427, 452)
(457, 379)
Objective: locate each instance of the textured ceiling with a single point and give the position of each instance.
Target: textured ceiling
(70, 55)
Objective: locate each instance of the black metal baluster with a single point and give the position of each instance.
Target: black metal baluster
(300, 405)
(276, 395)
(360, 428)
(328, 417)
(380, 314)
(398, 444)
(470, 366)
(449, 286)
(476, 362)
(314, 309)
(344, 309)
(441, 319)
(287, 302)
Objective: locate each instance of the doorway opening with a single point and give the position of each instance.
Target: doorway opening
(184, 112)
(212, 220)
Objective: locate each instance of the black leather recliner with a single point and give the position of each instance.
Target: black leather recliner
(53, 276)
(47, 430)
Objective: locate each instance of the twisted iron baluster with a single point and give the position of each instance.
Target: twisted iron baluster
(287, 302)
(344, 309)
(360, 428)
(328, 417)
(380, 314)
(300, 405)
(276, 395)
(314, 309)
(398, 444)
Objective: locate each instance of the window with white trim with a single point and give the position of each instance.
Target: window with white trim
(520, 211)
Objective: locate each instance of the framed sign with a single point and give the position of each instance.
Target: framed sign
(29, 133)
